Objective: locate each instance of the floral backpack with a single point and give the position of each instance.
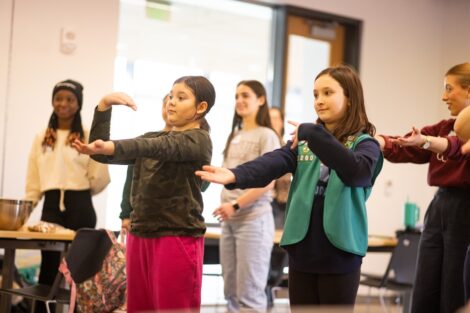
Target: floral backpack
(98, 278)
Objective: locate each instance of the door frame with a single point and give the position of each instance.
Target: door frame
(351, 49)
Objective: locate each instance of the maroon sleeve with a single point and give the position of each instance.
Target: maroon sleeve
(398, 154)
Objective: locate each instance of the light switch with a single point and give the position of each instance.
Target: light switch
(68, 40)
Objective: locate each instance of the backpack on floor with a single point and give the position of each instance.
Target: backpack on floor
(105, 290)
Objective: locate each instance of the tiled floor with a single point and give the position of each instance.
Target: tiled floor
(284, 308)
(213, 298)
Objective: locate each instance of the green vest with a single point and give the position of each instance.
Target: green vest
(344, 215)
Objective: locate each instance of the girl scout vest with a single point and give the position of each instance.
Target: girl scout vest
(344, 215)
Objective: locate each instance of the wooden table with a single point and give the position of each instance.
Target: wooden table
(24, 239)
(215, 232)
(377, 243)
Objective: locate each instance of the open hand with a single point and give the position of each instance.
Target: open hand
(415, 139)
(96, 147)
(116, 98)
(216, 174)
(224, 212)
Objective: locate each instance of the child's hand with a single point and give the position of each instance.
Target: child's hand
(116, 98)
(415, 139)
(96, 147)
(217, 175)
(294, 138)
(126, 225)
(224, 212)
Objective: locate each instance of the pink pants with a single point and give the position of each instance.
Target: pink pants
(164, 273)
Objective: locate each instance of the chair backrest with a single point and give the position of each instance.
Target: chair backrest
(466, 275)
(279, 260)
(402, 266)
(87, 252)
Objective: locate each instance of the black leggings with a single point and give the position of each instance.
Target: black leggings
(79, 212)
(323, 289)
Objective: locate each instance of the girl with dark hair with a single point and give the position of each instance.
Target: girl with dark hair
(165, 244)
(334, 164)
(438, 283)
(246, 215)
(66, 178)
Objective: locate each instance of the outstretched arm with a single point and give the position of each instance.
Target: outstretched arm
(354, 167)
(218, 175)
(256, 173)
(416, 139)
(96, 147)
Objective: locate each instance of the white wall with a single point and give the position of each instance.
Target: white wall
(37, 64)
(5, 30)
(406, 48)
(455, 28)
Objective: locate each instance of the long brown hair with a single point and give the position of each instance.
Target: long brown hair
(355, 118)
(262, 116)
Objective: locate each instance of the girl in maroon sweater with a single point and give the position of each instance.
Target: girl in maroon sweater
(438, 284)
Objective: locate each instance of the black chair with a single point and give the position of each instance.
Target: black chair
(466, 275)
(400, 271)
(276, 278)
(84, 259)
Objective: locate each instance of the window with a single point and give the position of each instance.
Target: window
(159, 41)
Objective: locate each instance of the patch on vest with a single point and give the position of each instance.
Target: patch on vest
(305, 155)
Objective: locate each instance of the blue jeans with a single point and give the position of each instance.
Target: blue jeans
(438, 284)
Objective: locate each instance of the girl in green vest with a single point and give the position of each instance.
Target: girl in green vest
(334, 163)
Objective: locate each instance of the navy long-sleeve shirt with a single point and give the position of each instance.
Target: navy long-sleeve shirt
(354, 168)
(315, 253)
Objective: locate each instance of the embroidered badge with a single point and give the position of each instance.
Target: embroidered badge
(349, 141)
(304, 152)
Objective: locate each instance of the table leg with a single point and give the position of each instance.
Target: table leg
(407, 298)
(7, 278)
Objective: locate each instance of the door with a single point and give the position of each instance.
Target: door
(312, 45)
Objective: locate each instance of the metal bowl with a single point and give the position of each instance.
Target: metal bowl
(14, 213)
